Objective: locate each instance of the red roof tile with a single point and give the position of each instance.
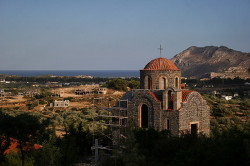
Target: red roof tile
(152, 93)
(160, 64)
(185, 94)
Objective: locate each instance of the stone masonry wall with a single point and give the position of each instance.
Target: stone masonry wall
(156, 75)
(173, 116)
(154, 106)
(194, 110)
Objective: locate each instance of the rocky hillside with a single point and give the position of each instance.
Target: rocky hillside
(198, 61)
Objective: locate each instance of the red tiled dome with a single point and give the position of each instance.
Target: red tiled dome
(160, 64)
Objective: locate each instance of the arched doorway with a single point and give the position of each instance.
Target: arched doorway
(144, 116)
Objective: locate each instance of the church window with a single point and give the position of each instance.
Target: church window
(176, 82)
(170, 100)
(144, 116)
(149, 83)
(163, 83)
(167, 124)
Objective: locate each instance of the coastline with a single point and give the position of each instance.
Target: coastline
(93, 73)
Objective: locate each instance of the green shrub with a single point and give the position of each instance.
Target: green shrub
(74, 109)
(57, 111)
(13, 159)
(42, 102)
(117, 84)
(51, 108)
(69, 98)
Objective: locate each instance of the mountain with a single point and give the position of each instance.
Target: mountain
(199, 61)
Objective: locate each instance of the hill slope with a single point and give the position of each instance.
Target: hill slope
(197, 61)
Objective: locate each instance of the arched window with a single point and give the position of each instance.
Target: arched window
(170, 100)
(149, 83)
(163, 83)
(177, 82)
(144, 116)
(167, 124)
(146, 82)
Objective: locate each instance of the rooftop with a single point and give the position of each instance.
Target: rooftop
(160, 64)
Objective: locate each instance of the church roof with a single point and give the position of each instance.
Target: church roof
(154, 96)
(160, 64)
(185, 94)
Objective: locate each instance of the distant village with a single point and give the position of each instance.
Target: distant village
(203, 85)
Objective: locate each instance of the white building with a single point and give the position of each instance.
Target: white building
(64, 103)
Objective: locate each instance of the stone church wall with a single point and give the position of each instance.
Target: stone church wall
(173, 116)
(194, 111)
(156, 75)
(154, 107)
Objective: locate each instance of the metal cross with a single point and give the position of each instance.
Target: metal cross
(160, 50)
(96, 147)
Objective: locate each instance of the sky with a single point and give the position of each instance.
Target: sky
(114, 34)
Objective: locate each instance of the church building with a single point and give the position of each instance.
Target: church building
(161, 103)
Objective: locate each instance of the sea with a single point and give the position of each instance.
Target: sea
(94, 73)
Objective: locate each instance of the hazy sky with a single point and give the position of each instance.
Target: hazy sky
(114, 34)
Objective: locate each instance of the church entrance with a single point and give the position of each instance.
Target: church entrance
(144, 116)
(194, 129)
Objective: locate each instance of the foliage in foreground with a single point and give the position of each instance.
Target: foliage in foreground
(73, 147)
(150, 147)
(229, 143)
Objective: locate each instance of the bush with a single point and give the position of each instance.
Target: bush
(134, 84)
(117, 84)
(84, 111)
(74, 109)
(51, 108)
(57, 111)
(15, 160)
(246, 103)
(42, 102)
(69, 98)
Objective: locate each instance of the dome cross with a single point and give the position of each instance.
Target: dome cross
(160, 50)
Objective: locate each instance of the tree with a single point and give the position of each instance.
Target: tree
(4, 145)
(117, 84)
(134, 84)
(50, 154)
(24, 127)
(76, 144)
